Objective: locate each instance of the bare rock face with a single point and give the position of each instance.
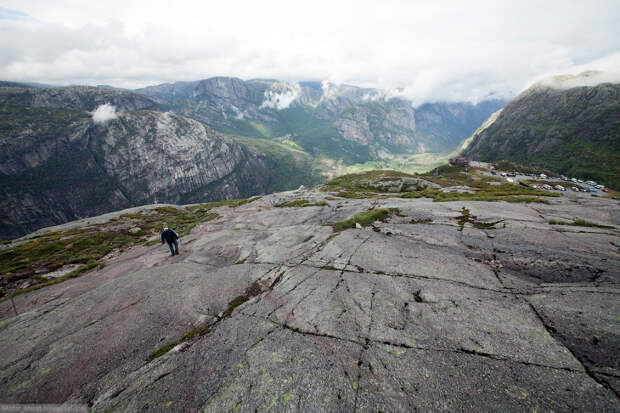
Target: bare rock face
(266, 308)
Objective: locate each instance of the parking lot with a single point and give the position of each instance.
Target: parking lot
(533, 179)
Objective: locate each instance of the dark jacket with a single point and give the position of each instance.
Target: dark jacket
(168, 235)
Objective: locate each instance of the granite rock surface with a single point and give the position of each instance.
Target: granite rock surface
(422, 312)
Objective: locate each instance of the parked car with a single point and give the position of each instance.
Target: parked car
(547, 187)
(574, 188)
(543, 176)
(605, 190)
(493, 173)
(559, 188)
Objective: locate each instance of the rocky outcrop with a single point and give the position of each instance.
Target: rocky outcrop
(267, 308)
(404, 184)
(561, 126)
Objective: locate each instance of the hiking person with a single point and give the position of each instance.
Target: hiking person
(171, 238)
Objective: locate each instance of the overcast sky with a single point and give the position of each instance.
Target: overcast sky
(433, 50)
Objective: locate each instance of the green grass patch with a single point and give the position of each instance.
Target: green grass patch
(447, 175)
(579, 222)
(49, 251)
(45, 283)
(162, 350)
(190, 335)
(486, 188)
(354, 183)
(301, 203)
(485, 192)
(364, 219)
(253, 290)
(356, 195)
(426, 193)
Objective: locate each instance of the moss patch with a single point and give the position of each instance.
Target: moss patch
(364, 219)
(44, 282)
(50, 251)
(356, 195)
(301, 203)
(353, 183)
(579, 223)
(467, 218)
(190, 335)
(252, 291)
(421, 221)
(487, 188)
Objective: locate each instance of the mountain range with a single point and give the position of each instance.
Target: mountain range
(337, 121)
(72, 152)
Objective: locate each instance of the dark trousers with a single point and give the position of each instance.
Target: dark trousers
(176, 247)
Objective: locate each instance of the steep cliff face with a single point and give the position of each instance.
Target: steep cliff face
(338, 121)
(573, 130)
(58, 164)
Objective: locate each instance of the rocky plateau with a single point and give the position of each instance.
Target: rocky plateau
(443, 306)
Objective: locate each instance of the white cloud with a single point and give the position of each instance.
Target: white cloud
(280, 95)
(604, 70)
(448, 50)
(104, 113)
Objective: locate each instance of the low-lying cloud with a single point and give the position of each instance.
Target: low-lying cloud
(104, 113)
(280, 95)
(605, 70)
